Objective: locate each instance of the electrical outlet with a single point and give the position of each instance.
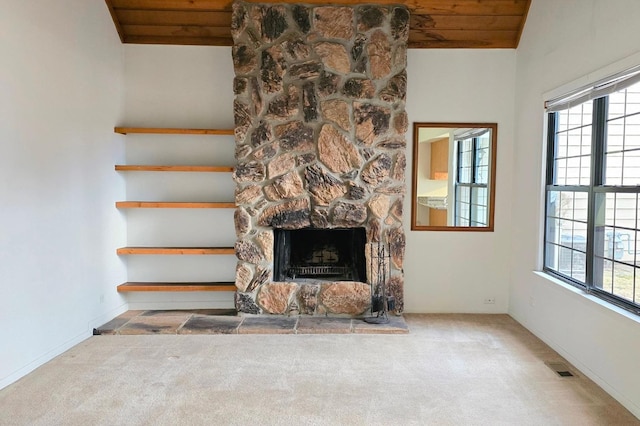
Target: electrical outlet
(490, 301)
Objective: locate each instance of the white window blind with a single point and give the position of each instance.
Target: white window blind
(461, 134)
(596, 90)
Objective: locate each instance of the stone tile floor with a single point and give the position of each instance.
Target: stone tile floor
(221, 321)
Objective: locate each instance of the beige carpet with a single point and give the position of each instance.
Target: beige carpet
(449, 370)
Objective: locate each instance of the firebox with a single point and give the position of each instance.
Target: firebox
(319, 254)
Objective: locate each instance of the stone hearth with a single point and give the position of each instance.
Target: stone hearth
(320, 144)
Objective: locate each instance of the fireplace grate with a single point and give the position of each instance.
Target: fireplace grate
(321, 270)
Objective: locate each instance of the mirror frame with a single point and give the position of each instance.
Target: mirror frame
(492, 176)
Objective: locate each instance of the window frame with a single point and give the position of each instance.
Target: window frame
(594, 191)
(472, 184)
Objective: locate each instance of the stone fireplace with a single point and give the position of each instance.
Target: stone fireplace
(320, 145)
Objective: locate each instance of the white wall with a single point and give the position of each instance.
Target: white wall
(61, 85)
(455, 271)
(565, 41)
(179, 86)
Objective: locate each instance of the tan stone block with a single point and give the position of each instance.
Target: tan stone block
(285, 105)
(359, 88)
(337, 111)
(379, 205)
(244, 59)
(371, 121)
(320, 218)
(377, 170)
(365, 132)
(240, 86)
(324, 187)
(265, 152)
(274, 297)
(265, 241)
(348, 214)
(334, 22)
(336, 151)
(242, 151)
(242, 221)
(249, 172)
(401, 122)
(271, 21)
(399, 167)
(256, 97)
(305, 71)
(248, 251)
(309, 102)
(399, 56)
(280, 165)
(243, 276)
(388, 188)
(397, 209)
(400, 24)
(395, 89)
(248, 195)
(350, 298)
(355, 191)
(242, 119)
(285, 187)
(261, 134)
(369, 17)
(295, 136)
(334, 56)
(292, 214)
(296, 49)
(238, 20)
(272, 69)
(379, 51)
(328, 83)
(393, 143)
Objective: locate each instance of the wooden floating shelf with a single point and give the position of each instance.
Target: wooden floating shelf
(172, 205)
(150, 286)
(141, 168)
(172, 131)
(199, 251)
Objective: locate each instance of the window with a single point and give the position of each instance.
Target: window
(472, 177)
(592, 221)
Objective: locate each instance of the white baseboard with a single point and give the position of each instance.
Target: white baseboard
(44, 358)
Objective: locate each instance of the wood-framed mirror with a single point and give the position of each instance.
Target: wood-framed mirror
(454, 175)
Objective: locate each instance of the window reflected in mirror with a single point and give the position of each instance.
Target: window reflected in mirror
(453, 176)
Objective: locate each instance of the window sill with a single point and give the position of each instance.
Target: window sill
(588, 298)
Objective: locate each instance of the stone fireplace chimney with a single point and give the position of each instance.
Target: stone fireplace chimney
(320, 144)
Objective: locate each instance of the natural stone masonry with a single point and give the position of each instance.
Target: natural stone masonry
(320, 127)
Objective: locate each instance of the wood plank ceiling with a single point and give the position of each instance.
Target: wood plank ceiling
(434, 23)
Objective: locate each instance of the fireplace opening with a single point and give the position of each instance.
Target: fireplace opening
(319, 254)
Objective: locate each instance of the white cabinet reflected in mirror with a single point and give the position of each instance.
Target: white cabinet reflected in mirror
(454, 171)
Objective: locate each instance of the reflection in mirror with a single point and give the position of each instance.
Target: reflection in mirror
(453, 176)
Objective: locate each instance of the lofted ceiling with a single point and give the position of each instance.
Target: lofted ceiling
(434, 23)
